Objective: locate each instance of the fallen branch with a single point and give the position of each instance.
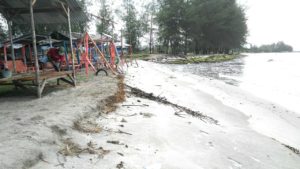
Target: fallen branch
(132, 105)
(179, 115)
(115, 142)
(139, 93)
(130, 115)
(120, 154)
(122, 132)
(294, 150)
(202, 131)
(119, 131)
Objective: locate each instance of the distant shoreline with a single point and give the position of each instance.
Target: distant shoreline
(165, 59)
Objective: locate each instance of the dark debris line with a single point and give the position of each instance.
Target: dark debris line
(294, 150)
(139, 93)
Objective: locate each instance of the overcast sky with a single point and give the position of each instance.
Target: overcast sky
(273, 20)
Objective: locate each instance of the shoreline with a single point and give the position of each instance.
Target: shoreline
(176, 60)
(144, 132)
(204, 59)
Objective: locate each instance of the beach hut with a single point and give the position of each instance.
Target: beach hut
(40, 12)
(23, 58)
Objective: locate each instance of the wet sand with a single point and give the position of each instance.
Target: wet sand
(150, 134)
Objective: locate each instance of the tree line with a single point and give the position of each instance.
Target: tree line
(180, 26)
(198, 26)
(3, 32)
(274, 47)
(201, 26)
(134, 22)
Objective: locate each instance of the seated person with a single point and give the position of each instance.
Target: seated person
(43, 61)
(56, 57)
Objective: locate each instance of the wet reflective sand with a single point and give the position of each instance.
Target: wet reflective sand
(272, 76)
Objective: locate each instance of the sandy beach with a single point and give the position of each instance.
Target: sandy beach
(188, 122)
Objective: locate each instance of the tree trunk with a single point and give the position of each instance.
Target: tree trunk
(185, 44)
(197, 49)
(227, 51)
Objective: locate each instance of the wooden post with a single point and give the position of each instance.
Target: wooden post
(30, 53)
(24, 54)
(101, 55)
(66, 55)
(122, 52)
(50, 41)
(5, 56)
(122, 43)
(12, 46)
(71, 44)
(36, 64)
(151, 33)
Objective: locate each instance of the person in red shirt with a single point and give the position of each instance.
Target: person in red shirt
(56, 57)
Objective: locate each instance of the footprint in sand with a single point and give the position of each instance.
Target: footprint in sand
(211, 145)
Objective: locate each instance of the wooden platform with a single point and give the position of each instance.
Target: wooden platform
(18, 80)
(31, 76)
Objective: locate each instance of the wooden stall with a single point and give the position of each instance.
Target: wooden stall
(35, 12)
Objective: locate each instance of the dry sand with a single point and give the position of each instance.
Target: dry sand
(32, 130)
(70, 128)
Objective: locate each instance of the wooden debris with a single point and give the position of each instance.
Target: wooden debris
(139, 93)
(123, 121)
(294, 150)
(122, 132)
(147, 115)
(86, 126)
(178, 114)
(135, 105)
(73, 149)
(120, 154)
(114, 142)
(120, 165)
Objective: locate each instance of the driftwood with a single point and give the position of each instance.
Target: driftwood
(139, 93)
(178, 114)
(294, 150)
(114, 142)
(136, 105)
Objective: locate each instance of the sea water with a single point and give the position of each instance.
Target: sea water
(270, 76)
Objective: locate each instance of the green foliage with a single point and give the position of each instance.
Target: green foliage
(105, 25)
(3, 31)
(133, 26)
(148, 15)
(170, 19)
(201, 25)
(212, 58)
(83, 25)
(148, 21)
(140, 55)
(275, 47)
